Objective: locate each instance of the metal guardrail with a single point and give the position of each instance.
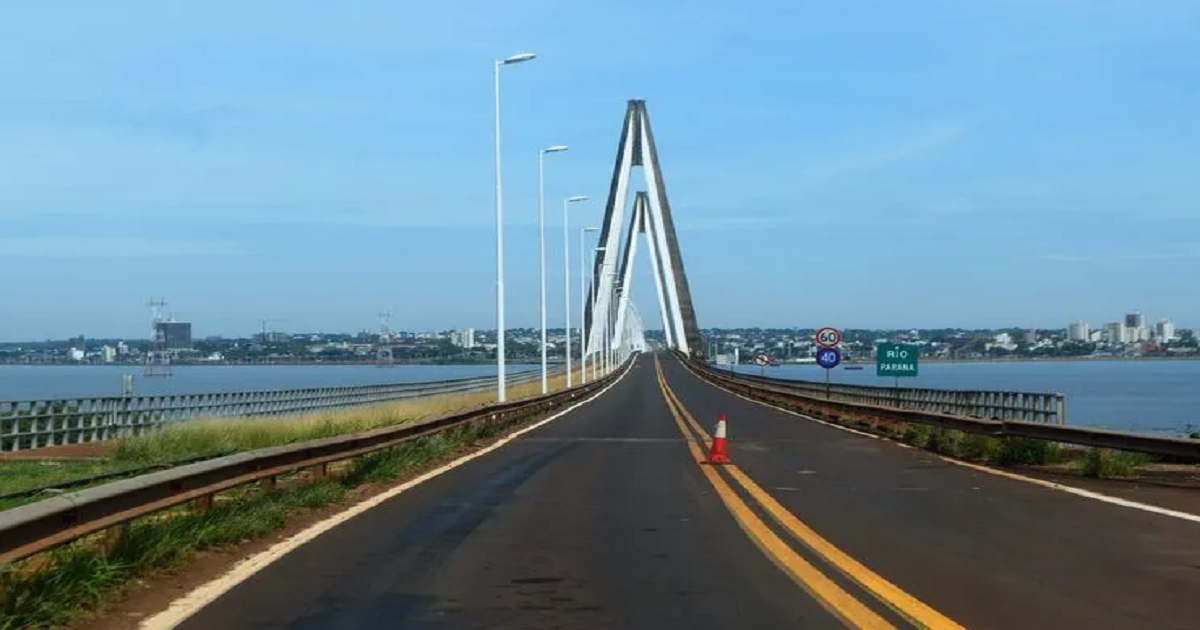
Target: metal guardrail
(805, 401)
(39, 423)
(36, 527)
(1044, 408)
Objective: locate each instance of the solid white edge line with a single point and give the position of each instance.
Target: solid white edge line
(182, 608)
(1079, 492)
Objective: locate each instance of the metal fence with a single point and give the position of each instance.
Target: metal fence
(40, 423)
(1042, 408)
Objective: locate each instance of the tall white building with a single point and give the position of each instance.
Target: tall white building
(1078, 331)
(1164, 330)
(464, 338)
(1116, 333)
(108, 353)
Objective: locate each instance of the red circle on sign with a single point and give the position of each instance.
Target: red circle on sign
(828, 337)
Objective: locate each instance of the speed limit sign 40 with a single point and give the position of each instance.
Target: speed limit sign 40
(829, 337)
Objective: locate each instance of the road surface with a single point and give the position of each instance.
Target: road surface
(605, 519)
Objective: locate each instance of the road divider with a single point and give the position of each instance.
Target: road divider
(827, 592)
(832, 597)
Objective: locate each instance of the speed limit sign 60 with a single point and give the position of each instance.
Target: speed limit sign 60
(829, 337)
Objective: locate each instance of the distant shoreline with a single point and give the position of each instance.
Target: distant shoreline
(1038, 360)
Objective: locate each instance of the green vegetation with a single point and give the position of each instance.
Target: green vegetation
(1103, 462)
(16, 476)
(77, 577)
(982, 448)
(1029, 451)
(220, 436)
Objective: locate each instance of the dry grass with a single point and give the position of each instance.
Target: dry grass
(208, 436)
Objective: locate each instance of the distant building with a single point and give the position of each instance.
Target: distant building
(1029, 336)
(1164, 330)
(464, 338)
(1135, 320)
(122, 348)
(1004, 341)
(108, 354)
(76, 354)
(1116, 333)
(175, 335)
(1078, 331)
(1096, 336)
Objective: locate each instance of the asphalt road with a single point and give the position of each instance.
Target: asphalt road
(604, 519)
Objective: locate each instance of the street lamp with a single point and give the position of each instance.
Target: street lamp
(596, 316)
(558, 148)
(500, 378)
(608, 331)
(583, 306)
(567, 274)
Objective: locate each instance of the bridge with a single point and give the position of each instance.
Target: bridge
(598, 507)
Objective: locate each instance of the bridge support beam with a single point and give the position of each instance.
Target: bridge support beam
(652, 215)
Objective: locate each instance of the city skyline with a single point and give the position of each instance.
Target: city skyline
(469, 336)
(866, 168)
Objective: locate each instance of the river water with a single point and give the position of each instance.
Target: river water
(24, 382)
(1156, 396)
(1152, 396)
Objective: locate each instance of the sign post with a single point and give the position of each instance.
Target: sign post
(762, 360)
(828, 337)
(828, 358)
(897, 359)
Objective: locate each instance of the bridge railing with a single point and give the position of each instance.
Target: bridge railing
(40, 423)
(29, 529)
(1037, 407)
(777, 392)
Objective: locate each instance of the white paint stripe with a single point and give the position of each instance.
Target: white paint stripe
(184, 607)
(1079, 492)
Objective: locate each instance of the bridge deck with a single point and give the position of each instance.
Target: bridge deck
(603, 519)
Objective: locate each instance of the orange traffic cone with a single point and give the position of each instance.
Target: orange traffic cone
(717, 455)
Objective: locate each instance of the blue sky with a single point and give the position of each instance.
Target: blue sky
(853, 164)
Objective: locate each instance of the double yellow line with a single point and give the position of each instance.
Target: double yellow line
(834, 598)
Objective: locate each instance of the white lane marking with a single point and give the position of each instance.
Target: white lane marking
(1145, 507)
(1079, 492)
(184, 607)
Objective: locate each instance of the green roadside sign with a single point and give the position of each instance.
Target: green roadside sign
(895, 359)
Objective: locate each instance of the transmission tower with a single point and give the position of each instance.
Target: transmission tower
(384, 356)
(158, 357)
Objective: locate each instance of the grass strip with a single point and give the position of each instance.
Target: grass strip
(220, 436)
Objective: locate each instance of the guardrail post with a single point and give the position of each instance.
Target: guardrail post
(112, 535)
(320, 471)
(202, 504)
(1062, 408)
(267, 483)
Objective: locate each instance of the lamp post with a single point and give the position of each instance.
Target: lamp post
(558, 148)
(597, 363)
(500, 378)
(608, 331)
(567, 274)
(583, 306)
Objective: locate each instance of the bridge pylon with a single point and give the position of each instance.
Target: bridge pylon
(651, 216)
